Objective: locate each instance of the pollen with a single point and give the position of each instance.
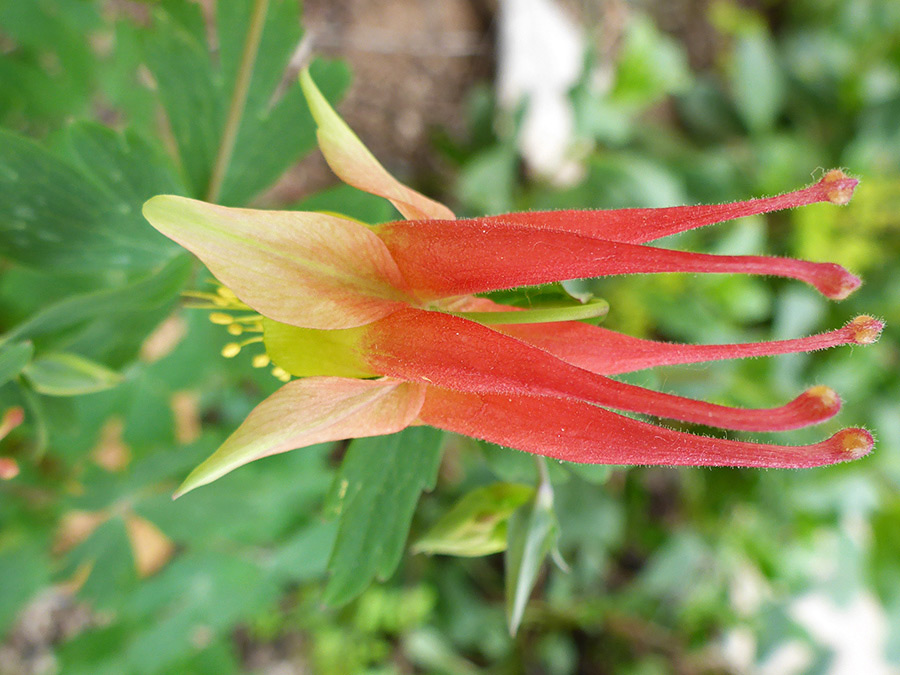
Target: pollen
(235, 329)
(281, 374)
(221, 318)
(231, 350)
(260, 361)
(228, 295)
(865, 329)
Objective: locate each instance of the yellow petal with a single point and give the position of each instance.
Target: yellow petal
(309, 411)
(306, 269)
(356, 166)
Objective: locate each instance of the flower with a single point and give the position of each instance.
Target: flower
(383, 328)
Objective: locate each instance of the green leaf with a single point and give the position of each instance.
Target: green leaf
(275, 127)
(187, 89)
(53, 217)
(476, 525)
(26, 569)
(64, 374)
(378, 486)
(150, 292)
(650, 65)
(107, 554)
(757, 81)
(124, 163)
(48, 66)
(531, 534)
(349, 202)
(13, 359)
(488, 180)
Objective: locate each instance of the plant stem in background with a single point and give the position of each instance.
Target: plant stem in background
(238, 98)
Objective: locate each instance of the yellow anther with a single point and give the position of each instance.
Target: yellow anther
(260, 360)
(281, 374)
(231, 350)
(234, 329)
(221, 319)
(227, 293)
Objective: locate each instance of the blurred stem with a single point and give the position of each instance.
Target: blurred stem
(238, 98)
(544, 494)
(37, 418)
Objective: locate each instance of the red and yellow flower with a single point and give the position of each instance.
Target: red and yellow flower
(382, 327)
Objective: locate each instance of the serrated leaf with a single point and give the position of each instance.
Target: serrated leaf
(531, 534)
(53, 217)
(13, 359)
(62, 374)
(476, 525)
(377, 489)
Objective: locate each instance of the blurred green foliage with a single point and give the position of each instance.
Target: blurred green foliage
(124, 390)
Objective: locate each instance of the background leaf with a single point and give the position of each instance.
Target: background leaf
(13, 358)
(69, 375)
(377, 489)
(53, 217)
(531, 534)
(275, 128)
(476, 525)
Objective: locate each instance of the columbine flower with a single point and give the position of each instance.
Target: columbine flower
(381, 324)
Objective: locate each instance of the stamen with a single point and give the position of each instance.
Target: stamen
(281, 374)
(227, 294)
(260, 361)
(232, 349)
(221, 319)
(235, 329)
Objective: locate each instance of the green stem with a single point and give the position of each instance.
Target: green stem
(589, 310)
(238, 99)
